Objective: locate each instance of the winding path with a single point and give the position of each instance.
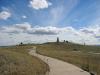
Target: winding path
(58, 67)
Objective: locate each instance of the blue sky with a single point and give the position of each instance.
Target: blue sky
(68, 19)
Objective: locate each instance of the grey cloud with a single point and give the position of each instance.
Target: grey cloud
(17, 28)
(50, 30)
(87, 31)
(39, 32)
(93, 31)
(26, 28)
(98, 37)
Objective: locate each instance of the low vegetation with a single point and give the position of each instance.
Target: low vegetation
(86, 57)
(15, 60)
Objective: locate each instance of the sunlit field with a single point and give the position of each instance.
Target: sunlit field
(85, 57)
(15, 60)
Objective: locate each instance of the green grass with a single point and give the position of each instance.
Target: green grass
(73, 53)
(15, 60)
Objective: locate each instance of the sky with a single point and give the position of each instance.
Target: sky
(38, 21)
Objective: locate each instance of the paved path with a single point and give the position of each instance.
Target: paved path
(58, 67)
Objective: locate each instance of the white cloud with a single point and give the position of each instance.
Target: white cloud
(39, 4)
(57, 14)
(90, 35)
(93, 30)
(5, 15)
(49, 30)
(17, 28)
(61, 11)
(26, 28)
(24, 16)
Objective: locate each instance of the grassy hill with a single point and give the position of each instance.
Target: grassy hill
(86, 57)
(15, 60)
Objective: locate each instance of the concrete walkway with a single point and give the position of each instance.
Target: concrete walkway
(58, 67)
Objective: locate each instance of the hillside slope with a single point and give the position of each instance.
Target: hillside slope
(16, 61)
(85, 57)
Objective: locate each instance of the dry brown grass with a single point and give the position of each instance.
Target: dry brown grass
(15, 60)
(73, 53)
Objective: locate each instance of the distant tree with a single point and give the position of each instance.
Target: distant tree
(21, 43)
(57, 40)
(66, 41)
